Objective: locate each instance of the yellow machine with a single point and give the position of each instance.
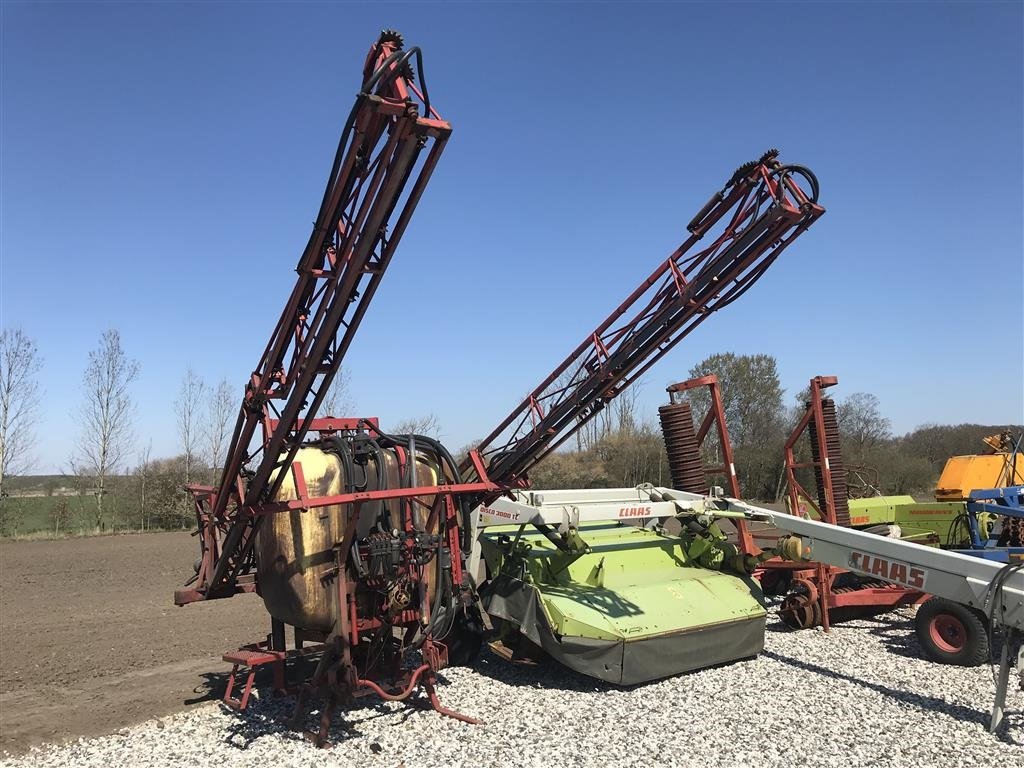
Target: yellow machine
(943, 522)
(963, 474)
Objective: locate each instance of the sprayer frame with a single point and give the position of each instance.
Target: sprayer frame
(336, 679)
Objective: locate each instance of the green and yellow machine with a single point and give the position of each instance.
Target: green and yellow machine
(597, 578)
(943, 522)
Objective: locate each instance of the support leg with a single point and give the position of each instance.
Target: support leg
(435, 702)
(278, 643)
(243, 701)
(228, 698)
(301, 703)
(326, 715)
(1012, 638)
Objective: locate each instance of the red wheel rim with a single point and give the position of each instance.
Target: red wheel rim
(948, 633)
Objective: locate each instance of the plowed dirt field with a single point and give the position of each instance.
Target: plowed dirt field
(91, 641)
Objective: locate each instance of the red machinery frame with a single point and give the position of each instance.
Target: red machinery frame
(715, 417)
(816, 594)
(389, 148)
(336, 678)
(763, 208)
(375, 184)
(827, 507)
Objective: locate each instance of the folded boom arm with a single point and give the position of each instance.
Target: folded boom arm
(761, 210)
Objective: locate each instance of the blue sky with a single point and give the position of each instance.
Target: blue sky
(161, 165)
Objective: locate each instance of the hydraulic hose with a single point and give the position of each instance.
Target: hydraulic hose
(400, 59)
(443, 595)
(446, 458)
(800, 170)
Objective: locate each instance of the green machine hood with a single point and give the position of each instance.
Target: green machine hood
(635, 606)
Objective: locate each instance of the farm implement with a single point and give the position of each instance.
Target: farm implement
(366, 543)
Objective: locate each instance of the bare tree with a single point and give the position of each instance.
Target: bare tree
(626, 409)
(597, 427)
(143, 473)
(338, 400)
(419, 425)
(618, 415)
(186, 407)
(595, 430)
(19, 400)
(861, 423)
(220, 407)
(105, 416)
(60, 515)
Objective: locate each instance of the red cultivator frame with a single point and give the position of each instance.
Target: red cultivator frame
(822, 593)
(819, 422)
(685, 447)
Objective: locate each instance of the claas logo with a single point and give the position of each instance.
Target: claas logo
(635, 511)
(888, 570)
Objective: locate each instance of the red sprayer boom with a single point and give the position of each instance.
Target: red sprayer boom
(388, 149)
(761, 210)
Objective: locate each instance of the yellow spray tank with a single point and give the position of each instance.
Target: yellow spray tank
(295, 550)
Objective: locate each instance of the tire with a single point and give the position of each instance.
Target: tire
(464, 639)
(775, 583)
(952, 633)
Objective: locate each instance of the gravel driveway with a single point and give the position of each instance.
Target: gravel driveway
(860, 695)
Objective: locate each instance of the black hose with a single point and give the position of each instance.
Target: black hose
(443, 596)
(365, 90)
(446, 458)
(388, 70)
(341, 448)
(338, 156)
(385, 524)
(443, 604)
(423, 83)
(800, 170)
(464, 511)
(993, 595)
(391, 68)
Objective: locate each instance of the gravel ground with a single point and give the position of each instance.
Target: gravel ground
(858, 696)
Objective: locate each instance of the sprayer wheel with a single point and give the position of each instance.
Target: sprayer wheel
(464, 641)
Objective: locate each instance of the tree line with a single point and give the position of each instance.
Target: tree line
(112, 481)
(624, 447)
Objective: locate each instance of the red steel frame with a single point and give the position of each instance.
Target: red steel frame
(826, 508)
(389, 148)
(716, 417)
(374, 186)
(337, 678)
(763, 209)
(818, 581)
